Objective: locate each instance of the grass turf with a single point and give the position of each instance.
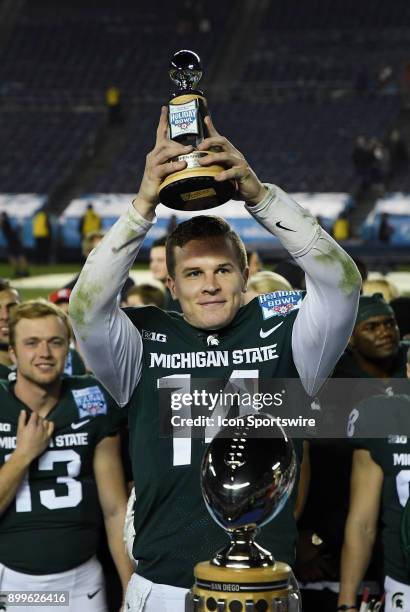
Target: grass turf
(30, 293)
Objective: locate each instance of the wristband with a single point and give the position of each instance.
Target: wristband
(346, 607)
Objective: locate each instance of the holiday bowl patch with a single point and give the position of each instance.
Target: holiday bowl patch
(280, 303)
(183, 119)
(90, 401)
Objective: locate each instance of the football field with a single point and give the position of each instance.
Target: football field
(43, 280)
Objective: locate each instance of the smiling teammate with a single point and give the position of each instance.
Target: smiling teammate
(281, 335)
(60, 465)
(9, 298)
(375, 349)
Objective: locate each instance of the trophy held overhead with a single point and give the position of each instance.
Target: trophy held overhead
(193, 188)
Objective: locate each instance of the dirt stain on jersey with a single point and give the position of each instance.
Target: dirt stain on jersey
(350, 274)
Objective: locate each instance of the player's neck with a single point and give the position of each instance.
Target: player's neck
(5, 358)
(40, 399)
(382, 369)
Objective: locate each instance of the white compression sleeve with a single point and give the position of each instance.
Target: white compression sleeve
(326, 318)
(111, 345)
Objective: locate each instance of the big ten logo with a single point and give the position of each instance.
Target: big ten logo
(154, 336)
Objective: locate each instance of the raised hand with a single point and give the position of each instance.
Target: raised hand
(222, 152)
(33, 435)
(159, 164)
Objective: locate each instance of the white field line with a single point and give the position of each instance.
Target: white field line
(55, 281)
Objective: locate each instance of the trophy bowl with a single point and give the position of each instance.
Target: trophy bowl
(247, 475)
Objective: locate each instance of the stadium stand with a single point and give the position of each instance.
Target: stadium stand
(310, 149)
(75, 50)
(305, 80)
(44, 148)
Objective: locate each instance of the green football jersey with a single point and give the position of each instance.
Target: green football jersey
(387, 416)
(52, 525)
(405, 535)
(174, 530)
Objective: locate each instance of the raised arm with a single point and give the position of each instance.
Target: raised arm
(328, 312)
(110, 343)
(361, 525)
(326, 318)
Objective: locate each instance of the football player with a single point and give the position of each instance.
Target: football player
(380, 432)
(144, 349)
(9, 298)
(374, 349)
(60, 466)
(374, 363)
(157, 261)
(158, 269)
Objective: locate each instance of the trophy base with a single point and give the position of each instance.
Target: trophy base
(265, 589)
(195, 189)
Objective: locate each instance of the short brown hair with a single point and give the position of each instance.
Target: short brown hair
(159, 242)
(35, 309)
(149, 294)
(202, 228)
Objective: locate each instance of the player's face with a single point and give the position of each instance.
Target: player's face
(40, 351)
(208, 282)
(157, 263)
(377, 338)
(255, 263)
(8, 299)
(135, 300)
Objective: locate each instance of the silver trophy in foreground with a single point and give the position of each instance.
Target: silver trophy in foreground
(247, 475)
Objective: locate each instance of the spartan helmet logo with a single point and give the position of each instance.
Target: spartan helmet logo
(212, 340)
(397, 601)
